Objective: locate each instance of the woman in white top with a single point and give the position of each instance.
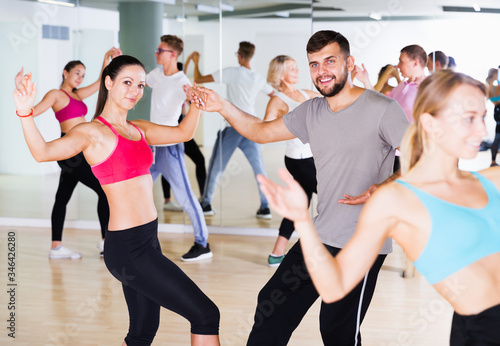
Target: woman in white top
(283, 75)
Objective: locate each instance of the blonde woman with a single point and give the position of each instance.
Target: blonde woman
(283, 75)
(446, 220)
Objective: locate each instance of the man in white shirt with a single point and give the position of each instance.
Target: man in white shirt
(167, 100)
(243, 86)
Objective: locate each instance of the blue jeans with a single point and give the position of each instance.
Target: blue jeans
(229, 139)
(169, 161)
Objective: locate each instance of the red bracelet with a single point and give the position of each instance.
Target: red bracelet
(25, 116)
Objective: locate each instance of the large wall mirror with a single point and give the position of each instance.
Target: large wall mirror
(43, 37)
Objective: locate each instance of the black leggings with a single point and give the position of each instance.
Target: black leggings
(482, 329)
(192, 151)
(287, 296)
(74, 170)
(304, 171)
(151, 280)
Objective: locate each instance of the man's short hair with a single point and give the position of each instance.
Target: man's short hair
(439, 56)
(323, 38)
(415, 52)
(246, 50)
(173, 42)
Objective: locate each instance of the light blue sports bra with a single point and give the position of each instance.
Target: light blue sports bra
(459, 235)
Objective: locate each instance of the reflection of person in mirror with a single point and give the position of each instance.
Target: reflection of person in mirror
(167, 99)
(243, 86)
(120, 157)
(347, 120)
(283, 75)
(192, 150)
(446, 220)
(412, 62)
(385, 74)
(67, 104)
(493, 94)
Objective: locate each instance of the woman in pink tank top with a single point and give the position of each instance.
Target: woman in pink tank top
(118, 150)
(67, 104)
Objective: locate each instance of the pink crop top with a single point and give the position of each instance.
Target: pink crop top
(129, 159)
(74, 109)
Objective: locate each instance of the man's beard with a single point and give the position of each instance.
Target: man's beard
(337, 87)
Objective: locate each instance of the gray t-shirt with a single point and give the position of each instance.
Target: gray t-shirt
(353, 149)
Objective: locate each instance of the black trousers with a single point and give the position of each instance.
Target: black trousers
(304, 171)
(192, 151)
(287, 296)
(150, 280)
(73, 171)
(482, 329)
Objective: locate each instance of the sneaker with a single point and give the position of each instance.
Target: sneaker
(62, 252)
(494, 164)
(208, 210)
(100, 246)
(264, 213)
(274, 261)
(172, 206)
(197, 253)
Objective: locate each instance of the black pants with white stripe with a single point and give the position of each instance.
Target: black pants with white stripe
(287, 296)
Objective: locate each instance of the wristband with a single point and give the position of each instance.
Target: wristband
(25, 116)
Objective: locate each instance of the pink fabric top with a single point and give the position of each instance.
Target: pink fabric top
(405, 94)
(74, 109)
(129, 159)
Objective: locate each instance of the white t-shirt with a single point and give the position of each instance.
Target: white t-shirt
(243, 86)
(167, 97)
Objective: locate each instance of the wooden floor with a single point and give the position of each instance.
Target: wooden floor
(77, 302)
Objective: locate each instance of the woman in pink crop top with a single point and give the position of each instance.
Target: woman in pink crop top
(119, 154)
(449, 124)
(67, 104)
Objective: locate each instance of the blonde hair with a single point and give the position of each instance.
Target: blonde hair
(432, 98)
(276, 71)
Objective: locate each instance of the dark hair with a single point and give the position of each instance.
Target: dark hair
(382, 70)
(440, 57)
(451, 63)
(173, 42)
(246, 50)
(70, 65)
(323, 38)
(112, 70)
(415, 52)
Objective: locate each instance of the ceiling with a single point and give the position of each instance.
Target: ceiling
(331, 10)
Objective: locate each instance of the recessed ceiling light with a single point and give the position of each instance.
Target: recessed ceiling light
(375, 15)
(58, 2)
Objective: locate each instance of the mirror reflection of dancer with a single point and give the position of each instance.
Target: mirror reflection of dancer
(283, 75)
(67, 104)
(446, 220)
(119, 154)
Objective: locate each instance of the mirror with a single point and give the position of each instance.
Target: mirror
(27, 188)
(275, 28)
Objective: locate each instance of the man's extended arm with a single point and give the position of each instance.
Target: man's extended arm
(353, 200)
(247, 125)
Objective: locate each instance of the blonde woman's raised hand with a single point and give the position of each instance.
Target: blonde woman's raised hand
(24, 95)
